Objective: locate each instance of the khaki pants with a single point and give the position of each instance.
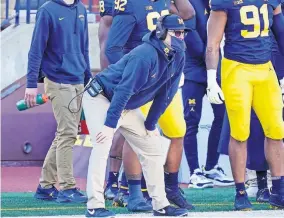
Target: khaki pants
(148, 149)
(59, 159)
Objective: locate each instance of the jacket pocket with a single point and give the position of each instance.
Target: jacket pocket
(73, 63)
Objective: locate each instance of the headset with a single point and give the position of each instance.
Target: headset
(161, 31)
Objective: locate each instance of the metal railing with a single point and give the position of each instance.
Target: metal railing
(29, 5)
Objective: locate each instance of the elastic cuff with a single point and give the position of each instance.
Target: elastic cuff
(149, 126)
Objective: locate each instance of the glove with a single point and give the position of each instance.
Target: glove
(282, 87)
(106, 134)
(214, 92)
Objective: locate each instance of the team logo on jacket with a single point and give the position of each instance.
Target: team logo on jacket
(81, 17)
(166, 50)
(238, 2)
(180, 21)
(149, 8)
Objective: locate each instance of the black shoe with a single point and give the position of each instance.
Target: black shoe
(242, 202)
(72, 195)
(111, 191)
(121, 199)
(262, 195)
(99, 212)
(48, 194)
(171, 211)
(177, 198)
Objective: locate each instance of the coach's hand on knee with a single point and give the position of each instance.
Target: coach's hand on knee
(155, 132)
(106, 134)
(30, 97)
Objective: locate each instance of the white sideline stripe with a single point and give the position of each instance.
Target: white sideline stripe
(242, 214)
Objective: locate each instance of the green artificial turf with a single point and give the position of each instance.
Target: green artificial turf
(23, 204)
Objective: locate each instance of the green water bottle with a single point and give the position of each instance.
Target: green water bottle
(40, 99)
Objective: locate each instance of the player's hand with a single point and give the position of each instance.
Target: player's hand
(30, 96)
(282, 87)
(106, 134)
(155, 132)
(214, 92)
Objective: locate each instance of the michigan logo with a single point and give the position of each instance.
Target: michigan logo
(238, 2)
(149, 8)
(180, 21)
(191, 101)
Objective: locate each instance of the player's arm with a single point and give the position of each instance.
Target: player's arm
(215, 31)
(88, 74)
(134, 76)
(38, 45)
(121, 28)
(104, 27)
(163, 99)
(183, 8)
(278, 28)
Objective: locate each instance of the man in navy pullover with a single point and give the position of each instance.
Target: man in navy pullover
(131, 21)
(150, 72)
(59, 50)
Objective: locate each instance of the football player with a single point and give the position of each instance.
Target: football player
(193, 91)
(132, 20)
(105, 7)
(256, 157)
(248, 81)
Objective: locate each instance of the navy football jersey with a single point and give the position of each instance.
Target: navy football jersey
(247, 32)
(106, 7)
(145, 13)
(275, 45)
(277, 58)
(132, 20)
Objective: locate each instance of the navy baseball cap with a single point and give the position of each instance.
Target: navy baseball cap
(174, 22)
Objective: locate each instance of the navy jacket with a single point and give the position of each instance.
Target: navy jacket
(60, 46)
(149, 72)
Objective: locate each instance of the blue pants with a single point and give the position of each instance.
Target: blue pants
(256, 158)
(193, 94)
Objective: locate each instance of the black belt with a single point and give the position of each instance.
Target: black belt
(94, 88)
(104, 94)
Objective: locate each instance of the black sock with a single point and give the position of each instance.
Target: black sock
(240, 187)
(261, 179)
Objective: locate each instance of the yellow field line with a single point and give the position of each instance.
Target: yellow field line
(83, 207)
